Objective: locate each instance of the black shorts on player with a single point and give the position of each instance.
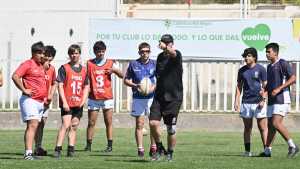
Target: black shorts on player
(74, 111)
(168, 110)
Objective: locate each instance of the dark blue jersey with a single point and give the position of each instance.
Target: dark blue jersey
(251, 79)
(278, 73)
(136, 71)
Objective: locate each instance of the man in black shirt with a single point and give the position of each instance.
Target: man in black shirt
(168, 95)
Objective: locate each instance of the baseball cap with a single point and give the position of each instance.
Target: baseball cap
(167, 38)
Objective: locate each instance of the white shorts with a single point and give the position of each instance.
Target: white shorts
(100, 104)
(252, 110)
(31, 109)
(141, 107)
(280, 109)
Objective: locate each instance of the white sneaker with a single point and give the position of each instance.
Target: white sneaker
(247, 154)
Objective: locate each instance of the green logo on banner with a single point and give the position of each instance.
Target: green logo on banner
(257, 37)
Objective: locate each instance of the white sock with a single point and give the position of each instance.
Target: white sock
(291, 143)
(268, 150)
(28, 152)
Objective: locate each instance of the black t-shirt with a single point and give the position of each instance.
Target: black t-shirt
(169, 77)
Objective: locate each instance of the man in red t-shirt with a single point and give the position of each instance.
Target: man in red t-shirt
(99, 71)
(51, 87)
(30, 79)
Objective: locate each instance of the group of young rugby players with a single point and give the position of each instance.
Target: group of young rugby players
(266, 96)
(92, 83)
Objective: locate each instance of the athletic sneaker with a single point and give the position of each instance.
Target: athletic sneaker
(152, 151)
(57, 154)
(170, 157)
(263, 154)
(156, 156)
(88, 147)
(70, 153)
(247, 154)
(141, 153)
(29, 157)
(107, 150)
(293, 151)
(40, 152)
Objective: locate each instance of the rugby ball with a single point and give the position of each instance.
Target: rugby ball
(145, 86)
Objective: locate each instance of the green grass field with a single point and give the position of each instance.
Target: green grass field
(195, 149)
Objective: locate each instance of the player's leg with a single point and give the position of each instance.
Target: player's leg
(29, 135)
(170, 117)
(39, 151)
(262, 124)
(65, 126)
(93, 109)
(31, 111)
(139, 135)
(72, 136)
(107, 114)
(277, 121)
(247, 113)
(154, 122)
(247, 135)
(92, 118)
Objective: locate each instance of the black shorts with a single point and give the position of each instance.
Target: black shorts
(168, 110)
(74, 111)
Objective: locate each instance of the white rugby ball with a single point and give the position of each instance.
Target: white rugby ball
(145, 86)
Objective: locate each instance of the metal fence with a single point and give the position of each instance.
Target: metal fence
(209, 86)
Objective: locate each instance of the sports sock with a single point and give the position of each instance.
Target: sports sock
(71, 148)
(247, 147)
(291, 143)
(141, 149)
(58, 148)
(89, 141)
(109, 143)
(28, 152)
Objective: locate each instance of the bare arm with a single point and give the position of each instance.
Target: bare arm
(128, 82)
(118, 72)
(238, 92)
(289, 82)
(86, 91)
(18, 82)
(62, 97)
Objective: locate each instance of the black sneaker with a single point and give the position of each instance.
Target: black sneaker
(263, 154)
(170, 157)
(29, 157)
(57, 154)
(107, 150)
(40, 152)
(292, 151)
(70, 153)
(141, 153)
(88, 147)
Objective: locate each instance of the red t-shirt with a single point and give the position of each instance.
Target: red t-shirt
(33, 77)
(100, 82)
(50, 77)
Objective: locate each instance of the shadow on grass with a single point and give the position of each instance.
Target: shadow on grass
(111, 155)
(130, 161)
